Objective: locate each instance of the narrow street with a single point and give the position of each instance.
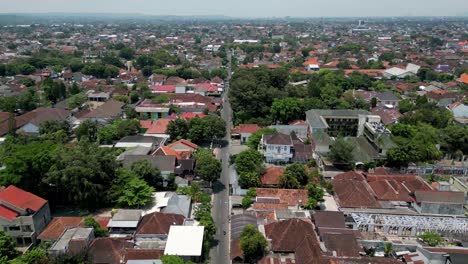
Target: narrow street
(220, 252)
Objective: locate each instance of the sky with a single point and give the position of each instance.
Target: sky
(245, 8)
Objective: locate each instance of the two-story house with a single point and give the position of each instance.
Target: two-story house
(23, 215)
(277, 148)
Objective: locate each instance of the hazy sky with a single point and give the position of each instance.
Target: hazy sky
(246, 8)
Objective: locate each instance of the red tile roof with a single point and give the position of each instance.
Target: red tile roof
(103, 221)
(350, 175)
(311, 61)
(21, 198)
(272, 175)
(58, 225)
(246, 128)
(270, 206)
(288, 196)
(7, 213)
(163, 88)
(184, 142)
(158, 223)
(158, 127)
(143, 254)
(354, 193)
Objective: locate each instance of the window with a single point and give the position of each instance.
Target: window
(26, 228)
(14, 228)
(285, 148)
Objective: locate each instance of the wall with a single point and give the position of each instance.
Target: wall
(440, 208)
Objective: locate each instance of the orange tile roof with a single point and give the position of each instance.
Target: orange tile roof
(311, 61)
(158, 127)
(184, 142)
(246, 128)
(58, 225)
(272, 175)
(288, 196)
(463, 78)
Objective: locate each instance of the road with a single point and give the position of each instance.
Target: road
(220, 252)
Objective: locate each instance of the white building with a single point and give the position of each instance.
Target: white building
(185, 242)
(277, 147)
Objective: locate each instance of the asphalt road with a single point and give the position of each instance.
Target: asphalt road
(220, 251)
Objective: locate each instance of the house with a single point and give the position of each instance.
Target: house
(140, 141)
(163, 88)
(58, 225)
(106, 112)
(352, 191)
(291, 198)
(299, 127)
(206, 89)
(463, 79)
(388, 99)
(244, 131)
(155, 128)
(124, 223)
(72, 241)
(399, 73)
(183, 145)
(139, 256)
(439, 202)
(185, 242)
(277, 147)
(94, 96)
(148, 109)
(153, 230)
(23, 215)
(312, 64)
(271, 176)
(172, 203)
(460, 112)
(107, 250)
(165, 164)
(29, 122)
(389, 116)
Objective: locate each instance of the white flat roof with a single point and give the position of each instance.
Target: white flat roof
(184, 241)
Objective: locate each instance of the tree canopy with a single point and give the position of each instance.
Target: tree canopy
(252, 243)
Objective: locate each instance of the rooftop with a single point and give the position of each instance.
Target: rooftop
(184, 241)
(21, 199)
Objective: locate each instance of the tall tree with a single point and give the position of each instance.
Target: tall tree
(287, 109)
(207, 167)
(252, 243)
(82, 175)
(249, 161)
(298, 171)
(7, 247)
(341, 151)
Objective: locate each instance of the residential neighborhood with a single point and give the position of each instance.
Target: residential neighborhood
(225, 140)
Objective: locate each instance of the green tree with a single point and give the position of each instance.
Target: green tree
(406, 105)
(298, 171)
(81, 175)
(341, 151)
(75, 89)
(249, 161)
(215, 127)
(146, 172)
(431, 238)
(207, 167)
(136, 194)
(127, 53)
(177, 129)
(27, 164)
(98, 230)
(34, 256)
(287, 109)
(76, 100)
(27, 100)
(7, 247)
(249, 179)
(88, 129)
(255, 138)
(288, 181)
(388, 248)
(170, 259)
(52, 126)
(252, 243)
(249, 198)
